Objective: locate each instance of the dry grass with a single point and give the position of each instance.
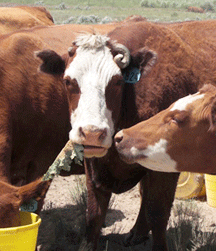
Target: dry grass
(186, 229)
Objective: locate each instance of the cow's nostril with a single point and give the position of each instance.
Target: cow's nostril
(118, 137)
(103, 134)
(82, 133)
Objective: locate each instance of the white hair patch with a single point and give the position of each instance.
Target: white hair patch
(155, 157)
(182, 103)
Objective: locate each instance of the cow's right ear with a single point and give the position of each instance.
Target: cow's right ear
(52, 63)
(144, 59)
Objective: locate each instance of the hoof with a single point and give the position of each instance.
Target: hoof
(132, 240)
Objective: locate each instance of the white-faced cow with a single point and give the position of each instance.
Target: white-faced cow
(178, 139)
(114, 82)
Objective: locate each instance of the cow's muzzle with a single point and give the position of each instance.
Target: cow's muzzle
(93, 139)
(125, 147)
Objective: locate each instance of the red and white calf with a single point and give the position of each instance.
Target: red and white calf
(180, 138)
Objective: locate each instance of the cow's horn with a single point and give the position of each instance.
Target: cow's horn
(122, 59)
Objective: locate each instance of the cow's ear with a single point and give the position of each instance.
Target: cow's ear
(213, 117)
(52, 63)
(145, 59)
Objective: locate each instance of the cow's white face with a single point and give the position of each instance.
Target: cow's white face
(88, 78)
(94, 86)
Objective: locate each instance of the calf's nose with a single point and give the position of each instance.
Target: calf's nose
(118, 138)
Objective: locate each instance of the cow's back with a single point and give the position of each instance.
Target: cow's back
(15, 18)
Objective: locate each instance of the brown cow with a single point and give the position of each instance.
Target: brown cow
(195, 9)
(34, 112)
(178, 139)
(11, 198)
(100, 104)
(15, 18)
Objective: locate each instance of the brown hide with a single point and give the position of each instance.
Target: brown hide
(185, 61)
(11, 198)
(15, 18)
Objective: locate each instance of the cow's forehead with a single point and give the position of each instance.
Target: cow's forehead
(93, 61)
(94, 66)
(182, 103)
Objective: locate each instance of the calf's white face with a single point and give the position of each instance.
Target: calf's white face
(91, 71)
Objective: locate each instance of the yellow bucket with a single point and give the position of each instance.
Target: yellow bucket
(210, 181)
(190, 185)
(22, 238)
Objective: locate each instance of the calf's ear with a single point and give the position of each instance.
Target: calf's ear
(34, 190)
(213, 116)
(145, 59)
(52, 63)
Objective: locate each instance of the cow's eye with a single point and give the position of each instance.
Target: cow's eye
(72, 85)
(180, 118)
(67, 81)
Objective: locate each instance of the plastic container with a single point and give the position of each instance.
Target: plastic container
(210, 181)
(190, 185)
(22, 238)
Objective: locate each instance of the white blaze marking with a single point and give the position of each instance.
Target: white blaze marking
(182, 103)
(93, 68)
(156, 157)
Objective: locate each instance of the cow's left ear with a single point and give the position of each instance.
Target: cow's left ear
(52, 63)
(213, 116)
(145, 59)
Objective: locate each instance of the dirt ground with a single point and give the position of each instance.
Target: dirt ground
(60, 214)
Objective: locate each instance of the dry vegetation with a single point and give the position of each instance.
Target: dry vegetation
(191, 226)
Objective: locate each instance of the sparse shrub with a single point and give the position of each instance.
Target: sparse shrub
(61, 6)
(207, 6)
(92, 19)
(187, 231)
(69, 20)
(144, 3)
(174, 14)
(174, 5)
(79, 193)
(39, 3)
(164, 5)
(106, 20)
